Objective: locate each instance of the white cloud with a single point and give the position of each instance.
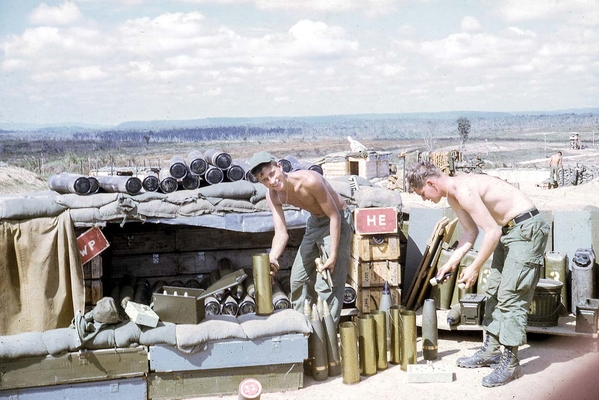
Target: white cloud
(470, 89)
(213, 92)
(65, 14)
(371, 8)
(470, 24)
(576, 11)
(317, 38)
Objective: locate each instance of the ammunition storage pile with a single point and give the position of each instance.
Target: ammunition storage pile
(197, 169)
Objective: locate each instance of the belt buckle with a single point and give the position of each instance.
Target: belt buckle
(510, 223)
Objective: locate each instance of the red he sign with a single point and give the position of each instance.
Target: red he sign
(375, 220)
(91, 243)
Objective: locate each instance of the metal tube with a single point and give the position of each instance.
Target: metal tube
(151, 182)
(262, 282)
(430, 333)
(177, 167)
(318, 342)
(408, 338)
(332, 341)
(197, 163)
(69, 183)
(247, 305)
(280, 300)
(367, 343)
(395, 326)
(349, 353)
(380, 325)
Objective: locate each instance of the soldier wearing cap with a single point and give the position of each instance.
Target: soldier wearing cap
(515, 234)
(329, 226)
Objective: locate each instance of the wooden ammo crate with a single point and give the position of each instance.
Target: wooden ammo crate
(213, 382)
(375, 247)
(276, 361)
(94, 291)
(232, 353)
(90, 365)
(113, 389)
(93, 269)
(374, 273)
(369, 298)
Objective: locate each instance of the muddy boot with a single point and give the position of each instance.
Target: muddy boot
(507, 370)
(487, 356)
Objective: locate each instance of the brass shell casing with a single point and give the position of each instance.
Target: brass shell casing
(262, 283)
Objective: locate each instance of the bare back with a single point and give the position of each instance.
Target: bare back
(502, 200)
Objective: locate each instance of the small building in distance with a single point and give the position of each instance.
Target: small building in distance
(365, 164)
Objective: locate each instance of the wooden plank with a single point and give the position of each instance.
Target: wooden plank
(93, 269)
(446, 237)
(566, 326)
(427, 257)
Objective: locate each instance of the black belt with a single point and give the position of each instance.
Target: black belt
(522, 217)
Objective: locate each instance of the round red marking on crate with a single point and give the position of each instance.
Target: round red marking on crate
(250, 388)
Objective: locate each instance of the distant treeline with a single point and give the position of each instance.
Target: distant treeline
(398, 128)
(189, 134)
(382, 127)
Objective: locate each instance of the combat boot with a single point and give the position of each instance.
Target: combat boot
(507, 370)
(487, 356)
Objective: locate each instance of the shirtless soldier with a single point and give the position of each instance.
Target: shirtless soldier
(555, 164)
(516, 234)
(329, 225)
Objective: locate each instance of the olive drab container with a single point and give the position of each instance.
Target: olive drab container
(173, 305)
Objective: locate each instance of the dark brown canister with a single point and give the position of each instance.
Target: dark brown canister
(544, 308)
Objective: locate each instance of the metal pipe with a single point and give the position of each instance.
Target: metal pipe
(367, 344)
(430, 333)
(408, 338)
(395, 327)
(349, 353)
(380, 325)
(262, 282)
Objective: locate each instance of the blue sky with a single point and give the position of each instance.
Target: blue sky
(108, 61)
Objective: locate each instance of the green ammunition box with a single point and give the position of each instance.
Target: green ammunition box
(182, 305)
(586, 316)
(187, 384)
(472, 306)
(81, 366)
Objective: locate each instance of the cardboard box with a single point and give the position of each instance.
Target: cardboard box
(375, 220)
(141, 314)
(374, 273)
(375, 247)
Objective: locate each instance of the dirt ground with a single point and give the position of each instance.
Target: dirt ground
(554, 368)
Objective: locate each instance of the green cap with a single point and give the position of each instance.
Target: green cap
(261, 157)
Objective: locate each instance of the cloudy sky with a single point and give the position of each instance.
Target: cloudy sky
(110, 61)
